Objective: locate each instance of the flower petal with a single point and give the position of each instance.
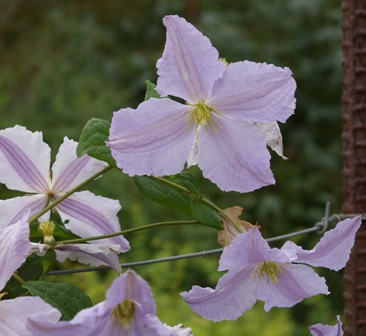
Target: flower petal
(153, 139)
(14, 245)
(42, 327)
(273, 136)
(236, 158)
(68, 171)
(93, 254)
(154, 327)
(326, 330)
(91, 215)
(248, 248)
(131, 286)
(255, 92)
(234, 294)
(24, 160)
(179, 330)
(333, 250)
(14, 314)
(100, 320)
(12, 209)
(189, 65)
(296, 283)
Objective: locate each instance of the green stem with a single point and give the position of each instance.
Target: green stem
(204, 200)
(51, 264)
(140, 228)
(67, 194)
(17, 277)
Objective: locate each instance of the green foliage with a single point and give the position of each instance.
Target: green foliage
(187, 181)
(182, 195)
(31, 269)
(205, 215)
(150, 91)
(93, 141)
(163, 193)
(63, 296)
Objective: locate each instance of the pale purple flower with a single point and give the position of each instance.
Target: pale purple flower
(129, 310)
(326, 330)
(14, 246)
(276, 276)
(24, 166)
(217, 127)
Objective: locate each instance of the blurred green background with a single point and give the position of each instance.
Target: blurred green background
(64, 62)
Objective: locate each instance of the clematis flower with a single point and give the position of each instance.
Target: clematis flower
(15, 245)
(218, 128)
(24, 166)
(326, 330)
(129, 310)
(276, 276)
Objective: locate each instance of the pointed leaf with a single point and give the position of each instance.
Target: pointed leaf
(206, 215)
(92, 141)
(164, 194)
(187, 181)
(63, 296)
(150, 91)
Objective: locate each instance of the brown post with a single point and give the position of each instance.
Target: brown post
(354, 158)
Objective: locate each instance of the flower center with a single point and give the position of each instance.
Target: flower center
(270, 270)
(123, 313)
(202, 114)
(47, 229)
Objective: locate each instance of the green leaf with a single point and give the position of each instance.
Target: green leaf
(164, 194)
(63, 296)
(187, 181)
(92, 141)
(204, 214)
(150, 91)
(31, 269)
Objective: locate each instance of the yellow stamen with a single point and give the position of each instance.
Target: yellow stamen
(270, 270)
(47, 229)
(123, 313)
(203, 114)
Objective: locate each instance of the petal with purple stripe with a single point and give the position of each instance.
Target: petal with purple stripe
(12, 209)
(91, 215)
(14, 244)
(93, 254)
(68, 171)
(24, 160)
